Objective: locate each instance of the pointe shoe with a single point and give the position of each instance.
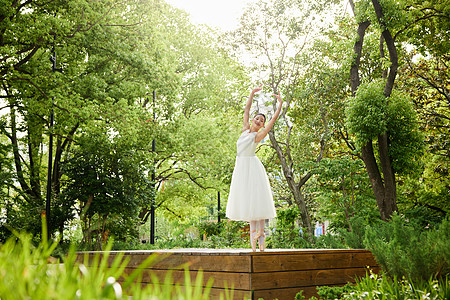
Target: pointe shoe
(262, 242)
(253, 238)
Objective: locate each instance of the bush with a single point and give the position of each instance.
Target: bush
(382, 287)
(333, 292)
(329, 241)
(233, 234)
(404, 250)
(210, 228)
(355, 238)
(285, 234)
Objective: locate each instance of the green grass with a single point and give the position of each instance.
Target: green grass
(25, 273)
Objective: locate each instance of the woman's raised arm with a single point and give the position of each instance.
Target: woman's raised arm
(263, 132)
(246, 122)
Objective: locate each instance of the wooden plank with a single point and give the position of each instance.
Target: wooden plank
(164, 261)
(239, 281)
(222, 263)
(312, 261)
(286, 293)
(214, 293)
(302, 278)
(306, 251)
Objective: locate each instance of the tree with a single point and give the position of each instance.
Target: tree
(369, 115)
(276, 34)
(393, 19)
(110, 58)
(193, 153)
(426, 79)
(343, 190)
(107, 178)
(106, 60)
(6, 183)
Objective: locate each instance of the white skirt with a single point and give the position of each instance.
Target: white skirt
(250, 195)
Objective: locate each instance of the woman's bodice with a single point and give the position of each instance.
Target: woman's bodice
(246, 145)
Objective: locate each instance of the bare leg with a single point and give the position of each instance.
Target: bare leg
(262, 236)
(253, 234)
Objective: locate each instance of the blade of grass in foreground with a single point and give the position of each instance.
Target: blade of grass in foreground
(26, 274)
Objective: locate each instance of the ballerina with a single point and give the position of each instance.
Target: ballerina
(250, 198)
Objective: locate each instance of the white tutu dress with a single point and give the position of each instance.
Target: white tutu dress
(250, 195)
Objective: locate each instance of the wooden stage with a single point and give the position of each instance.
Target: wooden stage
(272, 274)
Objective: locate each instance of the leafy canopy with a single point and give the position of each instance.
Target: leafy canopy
(370, 114)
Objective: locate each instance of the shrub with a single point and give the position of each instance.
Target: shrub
(383, 287)
(210, 228)
(329, 241)
(333, 292)
(404, 250)
(285, 233)
(233, 234)
(355, 238)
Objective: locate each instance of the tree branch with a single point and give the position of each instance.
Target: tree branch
(354, 70)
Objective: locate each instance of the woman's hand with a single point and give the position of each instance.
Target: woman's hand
(246, 122)
(280, 101)
(257, 89)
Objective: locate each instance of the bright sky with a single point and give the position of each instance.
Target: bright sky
(216, 13)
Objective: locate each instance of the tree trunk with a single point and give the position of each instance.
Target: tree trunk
(383, 185)
(30, 195)
(60, 148)
(390, 190)
(354, 70)
(390, 196)
(301, 204)
(374, 176)
(294, 187)
(390, 43)
(56, 174)
(288, 169)
(34, 137)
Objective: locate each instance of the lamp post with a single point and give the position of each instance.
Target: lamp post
(50, 152)
(218, 206)
(50, 148)
(152, 209)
